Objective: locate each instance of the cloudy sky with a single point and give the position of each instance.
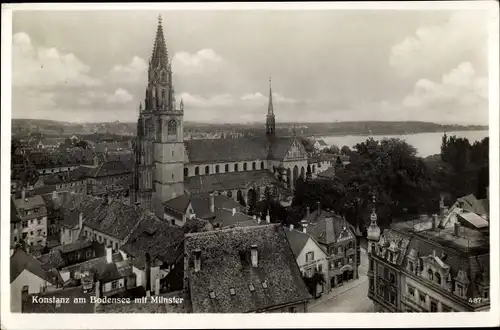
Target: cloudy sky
(325, 65)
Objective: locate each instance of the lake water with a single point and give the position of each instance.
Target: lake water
(426, 143)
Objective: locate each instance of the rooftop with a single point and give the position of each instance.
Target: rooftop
(20, 261)
(228, 283)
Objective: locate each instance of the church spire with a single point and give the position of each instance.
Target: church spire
(270, 109)
(270, 120)
(373, 231)
(159, 57)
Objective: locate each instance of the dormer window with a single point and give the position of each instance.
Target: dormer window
(430, 274)
(212, 294)
(438, 278)
(232, 291)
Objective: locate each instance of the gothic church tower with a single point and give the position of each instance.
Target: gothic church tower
(160, 143)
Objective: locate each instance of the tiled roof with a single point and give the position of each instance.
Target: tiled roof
(114, 219)
(471, 203)
(20, 261)
(297, 241)
(228, 181)
(113, 167)
(161, 240)
(201, 204)
(326, 226)
(279, 147)
(72, 209)
(29, 202)
(29, 306)
(226, 264)
(178, 204)
(57, 178)
(226, 150)
(75, 246)
(53, 259)
(225, 218)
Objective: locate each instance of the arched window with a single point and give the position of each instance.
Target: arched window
(261, 165)
(150, 128)
(207, 169)
(186, 172)
(254, 166)
(431, 274)
(196, 170)
(244, 166)
(229, 194)
(172, 129)
(438, 278)
(226, 168)
(236, 167)
(159, 129)
(216, 168)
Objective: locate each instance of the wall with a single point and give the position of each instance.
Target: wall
(320, 258)
(35, 284)
(33, 227)
(107, 287)
(222, 167)
(140, 279)
(99, 237)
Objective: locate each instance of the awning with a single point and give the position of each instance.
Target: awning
(346, 267)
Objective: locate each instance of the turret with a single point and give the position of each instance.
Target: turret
(373, 231)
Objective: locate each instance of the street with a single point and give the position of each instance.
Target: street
(349, 298)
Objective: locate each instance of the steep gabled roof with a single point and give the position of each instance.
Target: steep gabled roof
(226, 150)
(297, 241)
(228, 181)
(20, 261)
(226, 265)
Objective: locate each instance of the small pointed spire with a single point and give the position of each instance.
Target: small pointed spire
(270, 108)
(182, 104)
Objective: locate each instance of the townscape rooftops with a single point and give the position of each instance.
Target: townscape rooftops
(157, 238)
(20, 261)
(114, 218)
(228, 181)
(201, 204)
(179, 203)
(56, 178)
(114, 167)
(226, 266)
(326, 226)
(105, 272)
(53, 259)
(225, 218)
(85, 306)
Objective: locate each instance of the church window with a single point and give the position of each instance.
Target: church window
(244, 166)
(196, 170)
(236, 167)
(261, 165)
(159, 128)
(254, 166)
(172, 176)
(186, 172)
(438, 278)
(227, 168)
(172, 129)
(207, 169)
(216, 168)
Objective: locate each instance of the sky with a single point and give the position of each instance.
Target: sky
(326, 65)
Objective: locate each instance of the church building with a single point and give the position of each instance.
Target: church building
(168, 167)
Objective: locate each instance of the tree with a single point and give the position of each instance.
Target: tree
(313, 281)
(338, 163)
(333, 149)
(346, 151)
(308, 144)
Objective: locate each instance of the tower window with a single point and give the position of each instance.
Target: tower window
(186, 172)
(196, 170)
(216, 168)
(207, 169)
(244, 166)
(254, 166)
(227, 168)
(261, 165)
(236, 167)
(172, 129)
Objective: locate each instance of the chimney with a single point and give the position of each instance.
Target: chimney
(23, 194)
(258, 220)
(268, 218)
(109, 254)
(457, 229)
(319, 207)
(304, 228)
(157, 287)
(212, 203)
(435, 220)
(234, 211)
(255, 255)
(308, 211)
(197, 260)
(291, 227)
(80, 220)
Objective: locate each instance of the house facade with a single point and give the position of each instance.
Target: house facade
(32, 225)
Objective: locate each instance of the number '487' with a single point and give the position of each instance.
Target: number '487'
(474, 300)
